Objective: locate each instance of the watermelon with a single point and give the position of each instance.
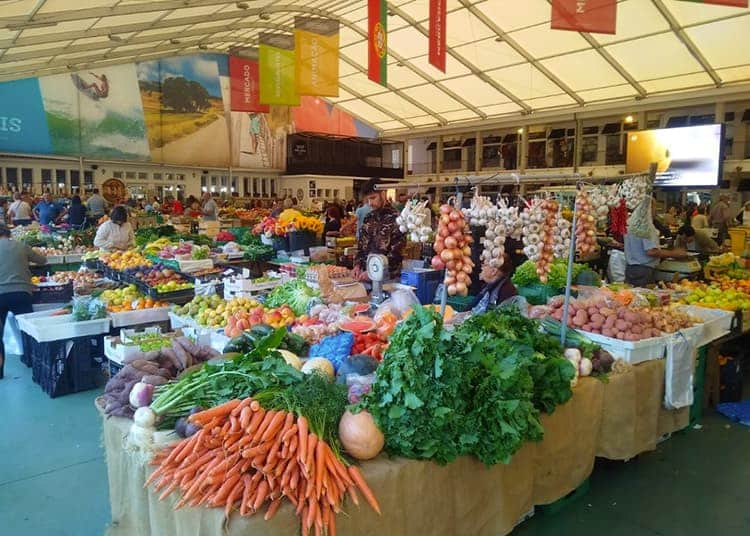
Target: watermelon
(359, 324)
(360, 308)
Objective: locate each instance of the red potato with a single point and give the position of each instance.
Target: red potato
(620, 335)
(607, 332)
(621, 325)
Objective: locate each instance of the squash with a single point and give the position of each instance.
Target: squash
(320, 364)
(360, 436)
(291, 359)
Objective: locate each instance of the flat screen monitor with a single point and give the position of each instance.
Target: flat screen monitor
(684, 156)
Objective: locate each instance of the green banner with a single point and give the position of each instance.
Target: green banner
(277, 70)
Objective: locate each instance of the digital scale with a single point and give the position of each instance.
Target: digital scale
(669, 269)
(377, 271)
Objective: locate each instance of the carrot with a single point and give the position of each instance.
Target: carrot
(179, 447)
(234, 425)
(293, 446)
(246, 480)
(364, 488)
(260, 496)
(332, 525)
(252, 452)
(158, 472)
(274, 426)
(294, 479)
(326, 517)
(225, 429)
(245, 403)
(311, 512)
(255, 405)
(165, 480)
(290, 432)
(302, 434)
(312, 441)
(272, 509)
(245, 417)
(224, 490)
(301, 498)
(305, 528)
(353, 494)
(259, 461)
(234, 495)
(264, 424)
(320, 465)
(258, 417)
(222, 410)
(188, 448)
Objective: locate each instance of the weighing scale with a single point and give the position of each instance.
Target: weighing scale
(688, 268)
(377, 271)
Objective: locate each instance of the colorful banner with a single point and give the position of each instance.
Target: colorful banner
(277, 70)
(23, 123)
(316, 43)
(244, 84)
(592, 16)
(377, 32)
(438, 21)
(731, 3)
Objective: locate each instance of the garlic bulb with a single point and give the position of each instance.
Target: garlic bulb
(481, 211)
(415, 221)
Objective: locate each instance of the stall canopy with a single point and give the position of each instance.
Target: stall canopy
(502, 57)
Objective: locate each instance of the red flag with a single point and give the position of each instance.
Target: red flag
(732, 3)
(244, 86)
(377, 33)
(437, 33)
(592, 16)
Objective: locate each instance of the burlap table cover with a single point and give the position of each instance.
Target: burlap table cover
(617, 420)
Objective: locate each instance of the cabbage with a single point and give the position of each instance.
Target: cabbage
(295, 293)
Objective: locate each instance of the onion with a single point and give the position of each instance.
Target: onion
(453, 289)
(458, 235)
(446, 255)
(450, 242)
(450, 280)
(468, 269)
(437, 263)
(445, 209)
(461, 288)
(452, 227)
(455, 215)
(444, 232)
(450, 265)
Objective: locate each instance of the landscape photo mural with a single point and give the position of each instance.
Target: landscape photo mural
(172, 111)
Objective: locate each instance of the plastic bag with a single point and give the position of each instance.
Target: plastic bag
(678, 381)
(358, 386)
(400, 301)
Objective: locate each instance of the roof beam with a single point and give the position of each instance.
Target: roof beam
(520, 50)
(691, 47)
(376, 106)
(463, 61)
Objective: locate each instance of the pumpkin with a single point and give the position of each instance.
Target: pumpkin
(360, 436)
(319, 364)
(291, 359)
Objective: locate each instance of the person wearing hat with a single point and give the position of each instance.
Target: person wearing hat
(379, 234)
(15, 280)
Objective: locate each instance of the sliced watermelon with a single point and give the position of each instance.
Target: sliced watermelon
(360, 308)
(360, 324)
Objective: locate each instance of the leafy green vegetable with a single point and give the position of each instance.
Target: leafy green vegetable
(526, 275)
(295, 293)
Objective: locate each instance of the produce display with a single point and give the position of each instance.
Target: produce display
(634, 191)
(727, 294)
(539, 226)
(128, 298)
(585, 225)
(161, 278)
(526, 274)
(123, 260)
(415, 221)
(296, 294)
(453, 250)
(79, 279)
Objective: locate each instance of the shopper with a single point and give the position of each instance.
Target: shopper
(700, 220)
(15, 281)
(97, 205)
(155, 205)
(642, 251)
(76, 213)
(3, 210)
(333, 220)
(498, 286)
(379, 233)
(172, 206)
(744, 216)
(115, 233)
(361, 213)
(19, 211)
(721, 218)
(209, 210)
(695, 240)
(47, 212)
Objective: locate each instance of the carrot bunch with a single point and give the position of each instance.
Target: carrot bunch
(244, 457)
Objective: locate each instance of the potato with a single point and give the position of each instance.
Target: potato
(610, 321)
(631, 316)
(586, 327)
(620, 335)
(592, 310)
(608, 332)
(621, 325)
(606, 311)
(636, 329)
(597, 318)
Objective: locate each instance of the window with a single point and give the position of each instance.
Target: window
(11, 175)
(130, 175)
(562, 145)
(537, 150)
(245, 186)
(46, 176)
(256, 188)
(61, 178)
(264, 192)
(27, 175)
(156, 176)
(75, 180)
(117, 174)
(235, 181)
(204, 183)
(88, 179)
(180, 177)
(142, 176)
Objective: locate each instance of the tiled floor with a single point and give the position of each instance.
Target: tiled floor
(53, 479)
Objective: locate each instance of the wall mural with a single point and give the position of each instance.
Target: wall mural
(172, 111)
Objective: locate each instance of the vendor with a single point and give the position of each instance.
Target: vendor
(695, 240)
(498, 286)
(209, 209)
(76, 213)
(115, 233)
(19, 210)
(333, 220)
(379, 233)
(15, 281)
(642, 251)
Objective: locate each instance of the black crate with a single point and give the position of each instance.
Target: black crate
(26, 340)
(61, 369)
(53, 294)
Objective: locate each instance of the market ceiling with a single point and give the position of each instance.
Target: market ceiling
(503, 59)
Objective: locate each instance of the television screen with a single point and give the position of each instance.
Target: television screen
(684, 156)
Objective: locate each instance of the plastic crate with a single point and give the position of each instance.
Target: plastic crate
(53, 293)
(67, 366)
(632, 352)
(538, 294)
(459, 304)
(45, 328)
(141, 316)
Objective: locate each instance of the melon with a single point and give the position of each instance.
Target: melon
(291, 359)
(320, 364)
(359, 324)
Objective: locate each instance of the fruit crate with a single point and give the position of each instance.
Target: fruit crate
(53, 293)
(66, 366)
(179, 297)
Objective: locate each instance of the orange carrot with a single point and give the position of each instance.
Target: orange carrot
(274, 426)
(252, 452)
(301, 497)
(364, 488)
(311, 512)
(258, 417)
(224, 490)
(188, 449)
(179, 447)
(302, 434)
(254, 405)
(332, 525)
(260, 497)
(305, 528)
(234, 495)
(245, 403)
(294, 479)
(272, 508)
(290, 432)
(353, 493)
(312, 442)
(221, 410)
(246, 480)
(264, 424)
(245, 417)
(326, 517)
(320, 465)
(293, 446)
(234, 424)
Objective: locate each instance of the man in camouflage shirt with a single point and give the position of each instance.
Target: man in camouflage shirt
(379, 233)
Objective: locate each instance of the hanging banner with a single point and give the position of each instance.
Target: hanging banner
(592, 16)
(316, 43)
(731, 3)
(377, 32)
(277, 69)
(244, 84)
(437, 33)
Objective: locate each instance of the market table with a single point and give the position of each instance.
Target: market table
(464, 497)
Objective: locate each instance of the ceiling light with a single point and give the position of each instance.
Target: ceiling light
(520, 131)
(115, 38)
(203, 46)
(628, 119)
(264, 16)
(174, 41)
(242, 5)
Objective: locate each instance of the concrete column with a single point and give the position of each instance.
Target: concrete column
(524, 149)
(478, 152)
